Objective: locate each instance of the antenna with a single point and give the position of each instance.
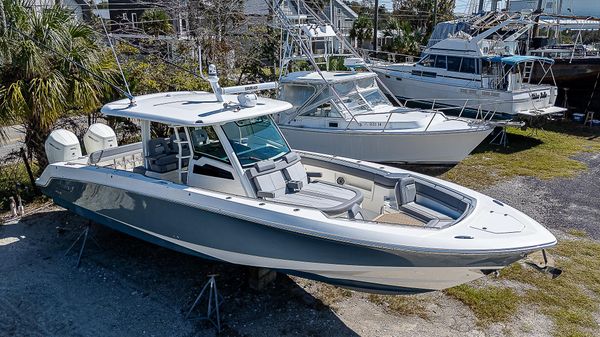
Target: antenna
(112, 47)
(213, 79)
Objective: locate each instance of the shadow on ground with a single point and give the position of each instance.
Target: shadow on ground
(130, 287)
(575, 129)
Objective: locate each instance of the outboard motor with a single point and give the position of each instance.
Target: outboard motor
(99, 137)
(62, 145)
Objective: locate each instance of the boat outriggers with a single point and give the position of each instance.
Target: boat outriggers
(227, 186)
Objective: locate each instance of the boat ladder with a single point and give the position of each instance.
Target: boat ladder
(181, 171)
(527, 70)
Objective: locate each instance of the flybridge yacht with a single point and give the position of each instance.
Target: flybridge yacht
(226, 185)
(346, 114)
(477, 74)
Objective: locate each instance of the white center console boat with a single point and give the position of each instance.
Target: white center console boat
(227, 186)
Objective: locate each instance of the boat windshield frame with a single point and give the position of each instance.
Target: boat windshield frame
(251, 145)
(360, 96)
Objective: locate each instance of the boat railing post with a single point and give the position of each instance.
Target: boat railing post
(490, 111)
(495, 110)
(463, 108)
(431, 120)
(388, 121)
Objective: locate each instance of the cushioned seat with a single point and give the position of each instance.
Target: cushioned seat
(286, 181)
(160, 158)
(406, 195)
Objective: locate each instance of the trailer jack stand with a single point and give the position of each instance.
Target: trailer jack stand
(84, 235)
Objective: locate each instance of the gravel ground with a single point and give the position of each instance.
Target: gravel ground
(559, 203)
(127, 287)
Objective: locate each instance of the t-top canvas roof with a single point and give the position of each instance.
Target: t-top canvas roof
(191, 108)
(333, 77)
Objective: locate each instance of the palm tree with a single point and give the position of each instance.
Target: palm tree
(405, 40)
(362, 30)
(39, 82)
(156, 22)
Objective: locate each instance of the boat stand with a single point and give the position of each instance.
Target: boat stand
(214, 302)
(544, 265)
(500, 138)
(85, 233)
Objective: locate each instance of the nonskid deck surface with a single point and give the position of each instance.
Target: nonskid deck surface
(399, 219)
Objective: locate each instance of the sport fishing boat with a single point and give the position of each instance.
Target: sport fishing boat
(226, 185)
(346, 113)
(478, 74)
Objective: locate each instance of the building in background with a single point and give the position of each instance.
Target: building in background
(340, 14)
(81, 9)
(126, 15)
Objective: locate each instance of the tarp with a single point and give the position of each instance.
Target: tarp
(443, 30)
(516, 59)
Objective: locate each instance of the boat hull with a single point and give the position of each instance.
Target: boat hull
(194, 230)
(411, 148)
(500, 104)
(578, 73)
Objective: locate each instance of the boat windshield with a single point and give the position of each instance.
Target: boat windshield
(375, 97)
(364, 100)
(255, 139)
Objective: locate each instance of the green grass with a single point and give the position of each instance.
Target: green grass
(402, 305)
(11, 176)
(577, 232)
(542, 154)
(489, 304)
(572, 299)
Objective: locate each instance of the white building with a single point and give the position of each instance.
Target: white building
(81, 9)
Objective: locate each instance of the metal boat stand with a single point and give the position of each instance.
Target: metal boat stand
(500, 138)
(85, 233)
(546, 265)
(214, 302)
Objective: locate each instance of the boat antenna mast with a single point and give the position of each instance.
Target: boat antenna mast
(112, 48)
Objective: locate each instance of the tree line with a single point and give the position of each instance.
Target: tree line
(405, 28)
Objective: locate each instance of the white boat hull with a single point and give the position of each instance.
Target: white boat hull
(537, 100)
(408, 147)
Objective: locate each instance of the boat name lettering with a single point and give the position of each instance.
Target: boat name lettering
(536, 95)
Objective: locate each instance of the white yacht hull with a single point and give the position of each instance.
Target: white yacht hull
(431, 147)
(537, 100)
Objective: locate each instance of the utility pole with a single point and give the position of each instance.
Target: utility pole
(536, 27)
(435, 5)
(538, 12)
(375, 25)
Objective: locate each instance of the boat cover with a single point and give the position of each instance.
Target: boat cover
(516, 59)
